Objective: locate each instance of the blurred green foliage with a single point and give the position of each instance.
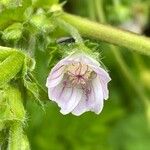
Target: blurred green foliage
(123, 124)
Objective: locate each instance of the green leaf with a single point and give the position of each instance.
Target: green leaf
(11, 66)
(31, 83)
(11, 15)
(13, 32)
(33, 89)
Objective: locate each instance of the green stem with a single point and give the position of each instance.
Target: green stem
(109, 34)
(70, 29)
(17, 140)
(15, 136)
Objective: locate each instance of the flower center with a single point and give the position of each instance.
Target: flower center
(79, 74)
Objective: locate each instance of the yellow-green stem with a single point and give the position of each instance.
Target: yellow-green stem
(109, 34)
(15, 136)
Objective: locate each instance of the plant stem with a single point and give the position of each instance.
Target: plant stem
(15, 136)
(109, 34)
(17, 140)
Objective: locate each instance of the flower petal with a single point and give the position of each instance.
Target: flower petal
(94, 102)
(57, 73)
(72, 102)
(95, 66)
(104, 79)
(104, 84)
(55, 76)
(98, 92)
(66, 98)
(81, 107)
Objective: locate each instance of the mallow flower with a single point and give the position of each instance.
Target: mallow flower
(78, 84)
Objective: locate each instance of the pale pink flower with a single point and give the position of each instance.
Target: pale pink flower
(78, 84)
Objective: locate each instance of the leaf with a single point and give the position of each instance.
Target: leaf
(13, 32)
(10, 67)
(36, 90)
(31, 83)
(11, 15)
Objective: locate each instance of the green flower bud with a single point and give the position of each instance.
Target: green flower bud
(42, 23)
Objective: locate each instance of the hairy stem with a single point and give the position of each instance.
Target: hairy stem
(109, 34)
(17, 140)
(15, 136)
